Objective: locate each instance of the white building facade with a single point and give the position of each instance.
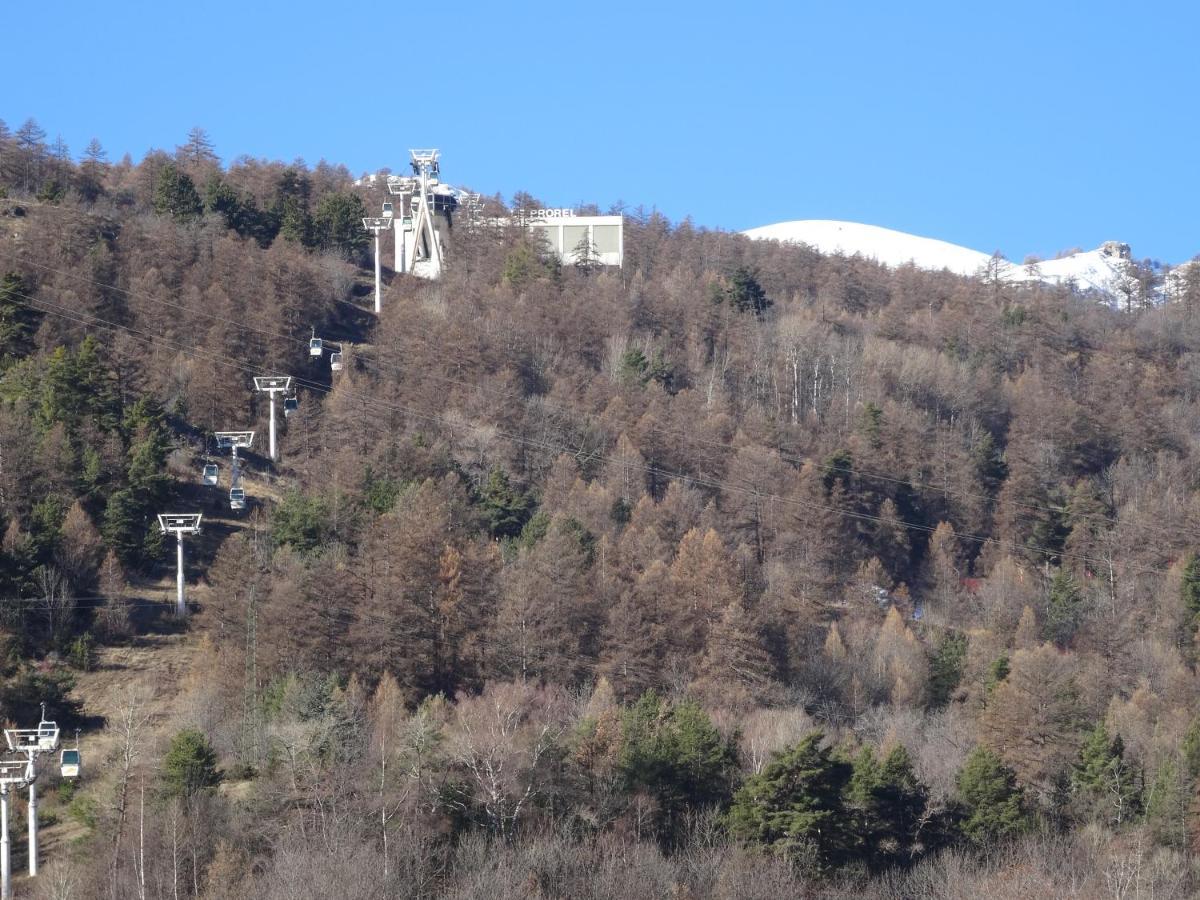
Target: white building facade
(569, 236)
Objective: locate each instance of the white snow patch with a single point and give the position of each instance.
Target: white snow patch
(891, 248)
(1103, 270)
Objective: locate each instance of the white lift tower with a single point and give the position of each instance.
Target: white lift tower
(30, 742)
(14, 774)
(179, 524)
(404, 188)
(426, 257)
(272, 385)
(377, 225)
(233, 441)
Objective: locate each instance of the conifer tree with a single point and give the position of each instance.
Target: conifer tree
(1064, 609)
(290, 207)
(992, 801)
(1189, 590)
(794, 806)
(946, 668)
(17, 319)
(31, 149)
(1190, 750)
(1033, 717)
(900, 799)
(740, 290)
(942, 568)
(634, 641)
(337, 224)
(900, 660)
(507, 509)
(1168, 802)
(891, 541)
(190, 764)
(92, 171)
(197, 151)
(674, 752)
(175, 194)
(124, 525)
(736, 672)
(1102, 781)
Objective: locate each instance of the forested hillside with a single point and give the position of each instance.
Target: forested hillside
(741, 572)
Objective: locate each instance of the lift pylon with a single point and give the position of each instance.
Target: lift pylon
(178, 524)
(272, 385)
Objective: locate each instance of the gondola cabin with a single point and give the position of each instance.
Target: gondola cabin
(210, 473)
(71, 761)
(315, 347)
(290, 405)
(335, 361)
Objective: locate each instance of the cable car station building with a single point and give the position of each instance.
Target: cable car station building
(424, 224)
(568, 235)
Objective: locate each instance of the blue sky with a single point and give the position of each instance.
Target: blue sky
(1019, 127)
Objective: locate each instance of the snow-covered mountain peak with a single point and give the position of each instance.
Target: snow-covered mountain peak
(1108, 270)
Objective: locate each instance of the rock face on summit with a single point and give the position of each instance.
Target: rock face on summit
(1108, 272)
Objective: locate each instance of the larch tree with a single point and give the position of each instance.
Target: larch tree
(703, 584)
(900, 660)
(736, 672)
(1033, 716)
(943, 570)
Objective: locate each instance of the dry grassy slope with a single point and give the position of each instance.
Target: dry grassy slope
(159, 667)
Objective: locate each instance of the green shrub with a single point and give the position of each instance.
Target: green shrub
(84, 810)
(83, 652)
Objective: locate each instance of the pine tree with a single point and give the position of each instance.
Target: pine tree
(900, 800)
(1167, 805)
(1189, 750)
(870, 424)
(992, 801)
(17, 320)
(507, 509)
(675, 753)
(586, 256)
(290, 208)
(150, 442)
(997, 672)
(887, 804)
(740, 289)
(337, 224)
(1189, 590)
(794, 806)
(190, 764)
(175, 194)
(1102, 781)
(1064, 609)
(946, 668)
(124, 526)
